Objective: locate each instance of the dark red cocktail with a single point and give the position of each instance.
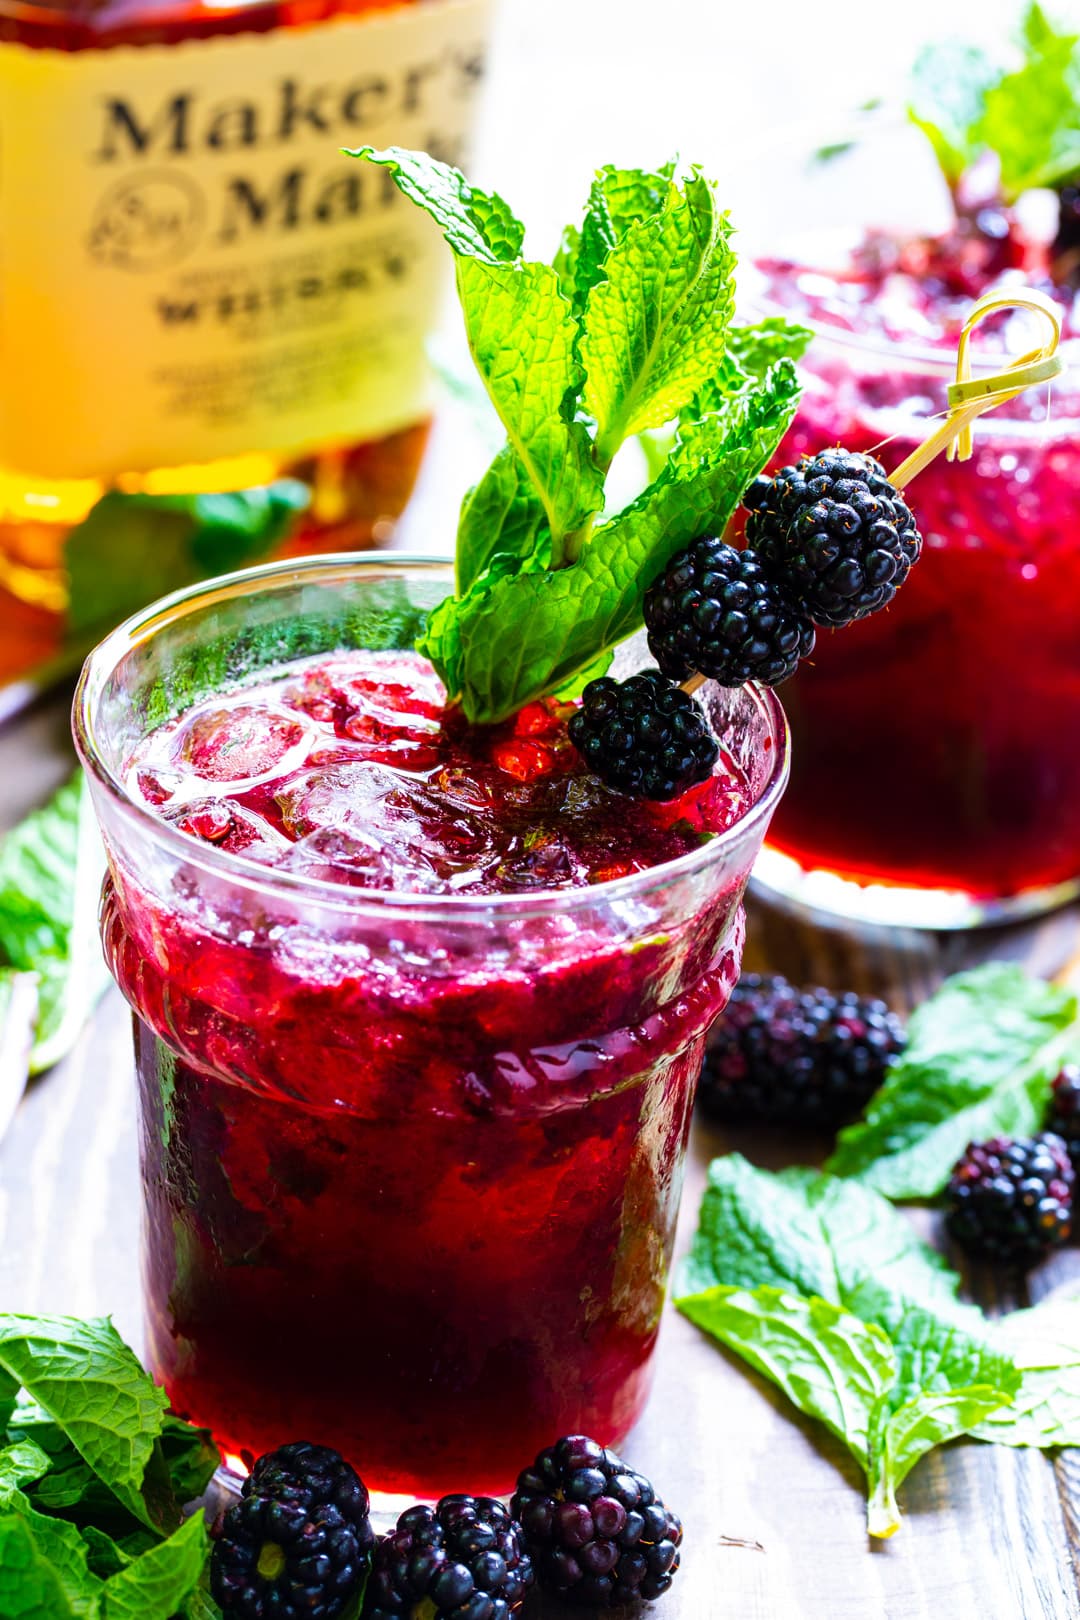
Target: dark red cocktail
(419, 1012)
(937, 740)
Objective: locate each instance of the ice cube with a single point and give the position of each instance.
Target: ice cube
(242, 743)
(414, 832)
(229, 826)
(373, 697)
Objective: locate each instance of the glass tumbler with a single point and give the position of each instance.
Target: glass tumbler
(411, 1163)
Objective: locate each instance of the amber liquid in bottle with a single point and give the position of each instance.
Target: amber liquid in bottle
(357, 489)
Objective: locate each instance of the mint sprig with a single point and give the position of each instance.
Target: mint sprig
(629, 331)
(1026, 112)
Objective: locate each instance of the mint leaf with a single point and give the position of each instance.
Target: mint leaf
(44, 1574)
(947, 1383)
(155, 1585)
(534, 384)
(618, 199)
(1031, 117)
(967, 104)
(18, 1020)
(828, 1363)
(30, 1587)
(21, 1463)
(811, 1234)
(502, 524)
(131, 549)
(759, 347)
(1044, 1344)
(51, 867)
(523, 339)
(949, 85)
(523, 635)
(805, 1235)
(655, 324)
(191, 1457)
(90, 1383)
(201, 1606)
(475, 223)
(980, 1058)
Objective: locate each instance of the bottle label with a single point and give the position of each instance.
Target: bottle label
(190, 268)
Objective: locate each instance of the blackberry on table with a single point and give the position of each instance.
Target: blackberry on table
(835, 532)
(599, 1534)
(716, 611)
(643, 736)
(798, 1057)
(1011, 1200)
(461, 1560)
(297, 1544)
(1064, 1116)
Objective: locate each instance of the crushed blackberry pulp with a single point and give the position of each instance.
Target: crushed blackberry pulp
(351, 769)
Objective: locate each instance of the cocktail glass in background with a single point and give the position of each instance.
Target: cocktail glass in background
(936, 778)
(411, 1162)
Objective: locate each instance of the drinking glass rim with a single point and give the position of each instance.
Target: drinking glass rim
(139, 627)
(936, 360)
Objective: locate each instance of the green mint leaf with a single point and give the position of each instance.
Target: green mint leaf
(518, 637)
(1032, 116)
(759, 347)
(980, 1057)
(131, 549)
(523, 340)
(30, 1588)
(828, 1363)
(90, 1383)
(1044, 1344)
(502, 524)
(949, 85)
(475, 223)
(21, 1463)
(191, 1457)
(808, 1235)
(104, 1556)
(811, 1234)
(18, 1021)
(50, 876)
(155, 1585)
(44, 1573)
(534, 383)
(619, 198)
(947, 1383)
(656, 323)
(200, 1606)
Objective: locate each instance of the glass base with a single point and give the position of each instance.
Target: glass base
(781, 880)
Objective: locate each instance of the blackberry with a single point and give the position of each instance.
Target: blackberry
(716, 610)
(1011, 1200)
(643, 736)
(1064, 1117)
(461, 1560)
(599, 1533)
(298, 1543)
(835, 532)
(799, 1057)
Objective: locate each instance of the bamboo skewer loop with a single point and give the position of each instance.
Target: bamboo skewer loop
(970, 396)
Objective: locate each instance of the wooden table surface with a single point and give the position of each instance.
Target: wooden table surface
(774, 1510)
